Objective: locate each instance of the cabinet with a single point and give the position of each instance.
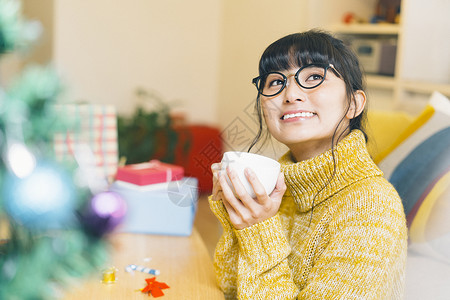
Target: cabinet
(422, 54)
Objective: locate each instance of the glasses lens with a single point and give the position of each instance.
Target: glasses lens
(271, 84)
(311, 76)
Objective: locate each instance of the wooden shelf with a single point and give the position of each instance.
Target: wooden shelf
(422, 87)
(381, 29)
(380, 81)
(417, 19)
(425, 87)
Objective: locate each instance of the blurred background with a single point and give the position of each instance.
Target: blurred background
(201, 55)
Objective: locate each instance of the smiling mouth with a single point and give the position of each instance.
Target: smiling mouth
(297, 115)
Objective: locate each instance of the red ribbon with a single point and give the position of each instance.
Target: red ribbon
(154, 287)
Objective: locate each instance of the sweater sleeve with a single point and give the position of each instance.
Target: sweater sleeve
(263, 270)
(227, 251)
(251, 263)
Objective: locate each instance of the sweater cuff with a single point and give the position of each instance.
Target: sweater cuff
(264, 242)
(219, 210)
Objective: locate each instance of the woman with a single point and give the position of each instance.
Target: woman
(333, 228)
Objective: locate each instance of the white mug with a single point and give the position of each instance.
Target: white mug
(265, 168)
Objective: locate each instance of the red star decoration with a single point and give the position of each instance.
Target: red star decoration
(154, 287)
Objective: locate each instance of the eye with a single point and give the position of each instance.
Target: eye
(276, 82)
(311, 76)
(314, 77)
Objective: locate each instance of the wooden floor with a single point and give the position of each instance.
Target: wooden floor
(207, 224)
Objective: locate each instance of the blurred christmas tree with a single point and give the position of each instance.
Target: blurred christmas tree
(51, 223)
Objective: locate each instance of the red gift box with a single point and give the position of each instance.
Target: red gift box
(151, 172)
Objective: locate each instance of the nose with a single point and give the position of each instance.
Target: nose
(293, 92)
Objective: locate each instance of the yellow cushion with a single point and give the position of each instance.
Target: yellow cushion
(418, 165)
(384, 127)
(411, 127)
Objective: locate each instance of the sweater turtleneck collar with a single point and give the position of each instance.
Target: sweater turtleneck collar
(311, 181)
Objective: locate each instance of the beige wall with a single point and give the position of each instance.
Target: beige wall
(248, 27)
(107, 49)
(202, 52)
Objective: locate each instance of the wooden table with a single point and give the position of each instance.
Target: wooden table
(184, 264)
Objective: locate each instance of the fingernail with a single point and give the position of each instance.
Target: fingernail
(249, 171)
(230, 170)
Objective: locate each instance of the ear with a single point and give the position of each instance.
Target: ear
(357, 105)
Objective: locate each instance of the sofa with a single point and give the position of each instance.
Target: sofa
(414, 154)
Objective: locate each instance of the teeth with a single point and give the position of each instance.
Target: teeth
(301, 115)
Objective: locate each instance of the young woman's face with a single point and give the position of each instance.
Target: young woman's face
(305, 119)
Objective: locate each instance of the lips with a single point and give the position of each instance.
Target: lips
(301, 114)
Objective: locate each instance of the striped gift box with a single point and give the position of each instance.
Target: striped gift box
(93, 125)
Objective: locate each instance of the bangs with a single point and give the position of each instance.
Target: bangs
(296, 50)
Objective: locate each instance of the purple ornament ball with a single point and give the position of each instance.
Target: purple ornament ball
(105, 212)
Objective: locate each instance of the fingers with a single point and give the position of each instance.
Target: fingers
(280, 188)
(280, 185)
(242, 209)
(228, 194)
(258, 188)
(216, 196)
(216, 184)
(215, 168)
(242, 192)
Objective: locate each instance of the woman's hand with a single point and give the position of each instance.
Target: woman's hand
(217, 189)
(244, 211)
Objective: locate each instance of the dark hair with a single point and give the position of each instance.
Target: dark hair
(313, 46)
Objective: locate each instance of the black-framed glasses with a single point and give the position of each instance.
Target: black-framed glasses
(308, 77)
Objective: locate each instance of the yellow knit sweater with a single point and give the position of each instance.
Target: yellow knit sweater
(352, 245)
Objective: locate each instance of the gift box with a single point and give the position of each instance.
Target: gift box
(93, 126)
(166, 208)
(148, 173)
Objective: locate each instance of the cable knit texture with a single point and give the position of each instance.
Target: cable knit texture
(340, 236)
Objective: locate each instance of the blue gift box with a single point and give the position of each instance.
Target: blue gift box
(166, 208)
